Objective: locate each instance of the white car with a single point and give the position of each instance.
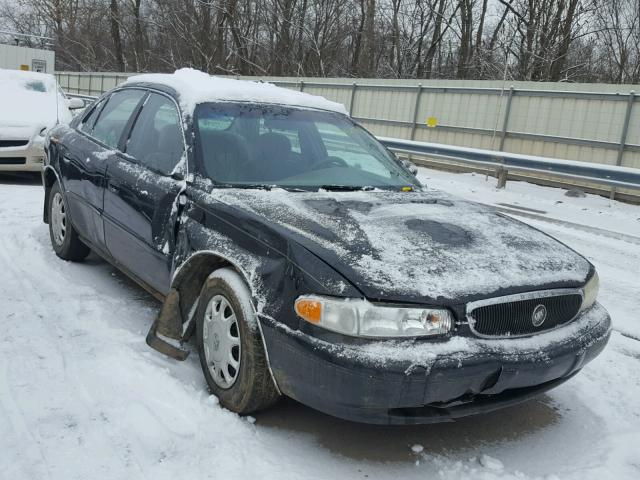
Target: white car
(31, 103)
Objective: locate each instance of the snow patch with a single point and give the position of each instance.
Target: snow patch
(491, 463)
(105, 154)
(417, 243)
(194, 87)
(31, 99)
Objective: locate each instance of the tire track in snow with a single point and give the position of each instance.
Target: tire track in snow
(618, 264)
(39, 302)
(564, 223)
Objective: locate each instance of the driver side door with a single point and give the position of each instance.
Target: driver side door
(142, 198)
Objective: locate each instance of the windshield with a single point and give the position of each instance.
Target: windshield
(249, 145)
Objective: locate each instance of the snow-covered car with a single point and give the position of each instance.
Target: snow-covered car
(308, 261)
(31, 103)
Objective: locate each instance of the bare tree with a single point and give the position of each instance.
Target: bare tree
(568, 40)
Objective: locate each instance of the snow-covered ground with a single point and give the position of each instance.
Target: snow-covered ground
(82, 396)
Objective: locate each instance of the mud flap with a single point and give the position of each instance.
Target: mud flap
(165, 335)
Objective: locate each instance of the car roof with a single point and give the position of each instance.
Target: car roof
(191, 87)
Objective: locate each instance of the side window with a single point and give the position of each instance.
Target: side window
(87, 122)
(115, 115)
(156, 138)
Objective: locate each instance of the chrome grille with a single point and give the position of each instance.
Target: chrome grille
(523, 314)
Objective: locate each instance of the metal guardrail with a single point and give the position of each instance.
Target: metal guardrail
(78, 95)
(621, 144)
(609, 175)
(600, 174)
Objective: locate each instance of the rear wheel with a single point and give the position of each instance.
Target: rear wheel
(230, 346)
(64, 238)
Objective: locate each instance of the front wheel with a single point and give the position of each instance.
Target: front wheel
(231, 353)
(64, 238)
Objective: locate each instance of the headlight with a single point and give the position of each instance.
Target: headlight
(590, 292)
(360, 318)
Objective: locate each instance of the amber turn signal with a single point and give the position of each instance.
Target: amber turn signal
(308, 309)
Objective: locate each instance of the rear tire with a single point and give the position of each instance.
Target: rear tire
(64, 238)
(230, 346)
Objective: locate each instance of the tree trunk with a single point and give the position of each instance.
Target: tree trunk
(466, 27)
(565, 41)
(367, 55)
(139, 38)
(115, 35)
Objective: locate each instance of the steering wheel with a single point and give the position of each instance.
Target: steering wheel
(330, 162)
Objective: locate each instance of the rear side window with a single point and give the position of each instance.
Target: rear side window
(156, 138)
(115, 115)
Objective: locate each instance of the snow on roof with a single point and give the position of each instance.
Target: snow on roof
(194, 87)
(13, 79)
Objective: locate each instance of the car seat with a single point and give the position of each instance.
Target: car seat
(225, 157)
(273, 156)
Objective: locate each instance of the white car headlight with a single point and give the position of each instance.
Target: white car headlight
(360, 318)
(590, 292)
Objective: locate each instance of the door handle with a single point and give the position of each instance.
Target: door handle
(113, 188)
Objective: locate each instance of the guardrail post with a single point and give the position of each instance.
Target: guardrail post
(353, 97)
(416, 108)
(301, 85)
(501, 172)
(623, 136)
(101, 84)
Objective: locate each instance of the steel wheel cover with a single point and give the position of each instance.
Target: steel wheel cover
(221, 341)
(58, 219)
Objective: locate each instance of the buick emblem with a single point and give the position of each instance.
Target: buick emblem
(539, 315)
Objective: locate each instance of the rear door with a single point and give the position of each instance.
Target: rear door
(143, 186)
(84, 157)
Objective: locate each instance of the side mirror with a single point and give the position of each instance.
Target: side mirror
(75, 103)
(409, 165)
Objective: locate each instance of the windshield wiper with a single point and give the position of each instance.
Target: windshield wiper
(344, 188)
(257, 186)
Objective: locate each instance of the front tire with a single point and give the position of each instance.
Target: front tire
(64, 238)
(230, 346)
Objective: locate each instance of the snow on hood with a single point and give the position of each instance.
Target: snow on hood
(194, 87)
(28, 101)
(416, 246)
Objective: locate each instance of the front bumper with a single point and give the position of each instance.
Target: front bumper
(28, 158)
(426, 382)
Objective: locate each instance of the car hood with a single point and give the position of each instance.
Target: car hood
(416, 246)
(10, 131)
(31, 111)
